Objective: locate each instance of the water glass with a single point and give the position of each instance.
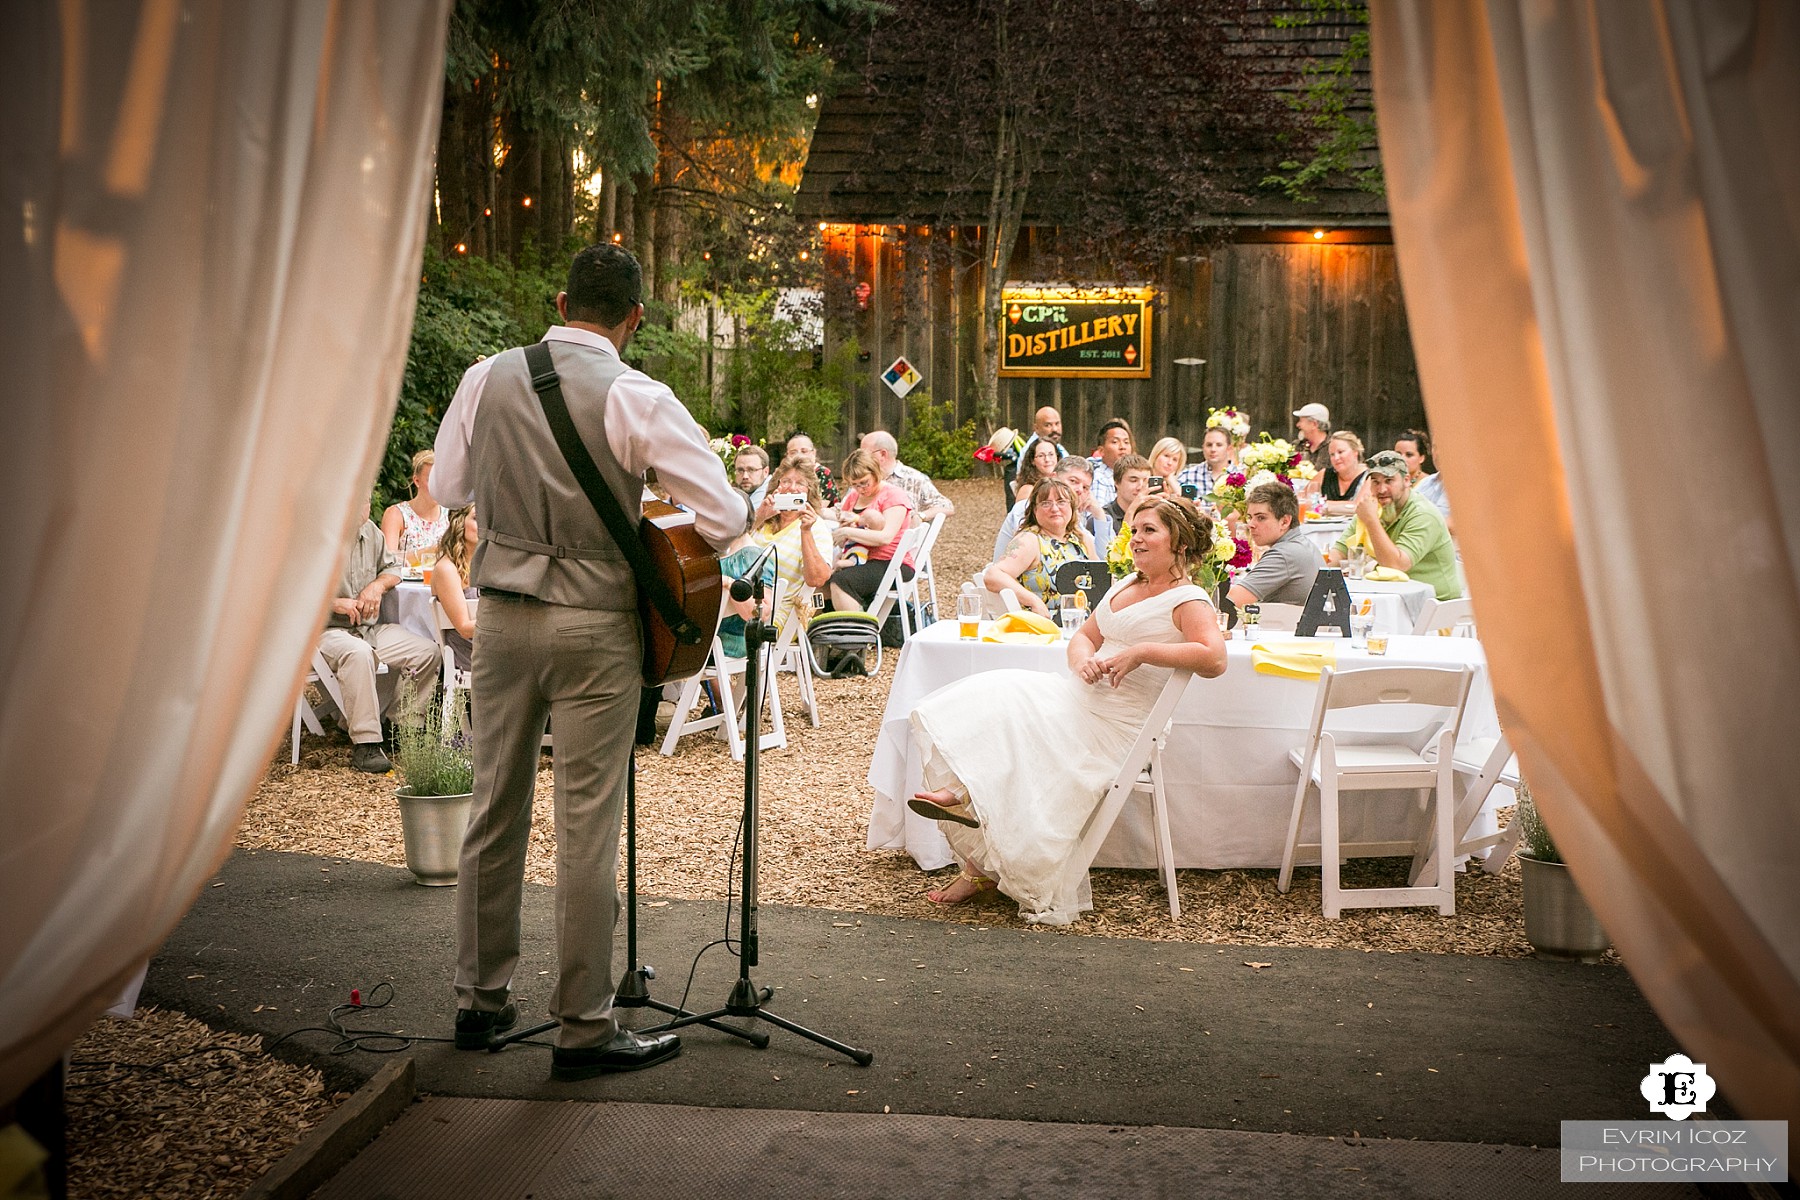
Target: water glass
(1073, 617)
(1361, 625)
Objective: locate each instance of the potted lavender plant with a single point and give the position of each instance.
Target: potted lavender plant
(439, 782)
(1558, 921)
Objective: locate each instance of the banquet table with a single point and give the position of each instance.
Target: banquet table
(1323, 531)
(1397, 605)
(1229, 783)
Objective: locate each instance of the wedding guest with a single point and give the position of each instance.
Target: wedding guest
(1115, 443)
(800, 446)
(1415, 447)
(1338, 486)
(1043, 460)
(1216, 462)
(928, 502)
(1168, 461)
(450, 585)
(1284, 573)
(1050, 537)
(802, 540)
(357, 639)
(1404, 532)
(750, 471)
(1314, 423)
(1046, 426)
(984, 739)
(418, 522)
(1079, 475)
(871, 519)
(1131, 476)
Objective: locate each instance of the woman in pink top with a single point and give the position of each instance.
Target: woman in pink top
(872, 517)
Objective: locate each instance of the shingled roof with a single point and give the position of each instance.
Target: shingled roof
(849, 178)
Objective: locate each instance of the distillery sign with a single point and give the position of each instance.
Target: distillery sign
(1069, 331)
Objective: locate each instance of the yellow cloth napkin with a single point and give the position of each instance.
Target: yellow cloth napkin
(1025, 627)
(1358, 536)
(1292, 660)
(1387, 575)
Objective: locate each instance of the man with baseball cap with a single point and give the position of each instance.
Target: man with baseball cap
(1402, 531)
(1314, 423)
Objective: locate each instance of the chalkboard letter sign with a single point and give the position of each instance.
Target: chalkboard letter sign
(1328, 607)
(1072, 332)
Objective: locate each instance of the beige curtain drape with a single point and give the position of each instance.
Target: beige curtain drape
(1596, 209)
(211, 215)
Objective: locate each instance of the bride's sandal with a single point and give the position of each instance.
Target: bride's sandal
(960, 812)
(981, 883)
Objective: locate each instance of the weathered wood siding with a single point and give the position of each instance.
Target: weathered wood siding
(1279, 323)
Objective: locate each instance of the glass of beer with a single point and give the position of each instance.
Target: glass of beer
(968, 615)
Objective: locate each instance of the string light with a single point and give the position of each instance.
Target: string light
(618, 237)
(462, 247)
(487, 212)
(526, 202)
(804, 255)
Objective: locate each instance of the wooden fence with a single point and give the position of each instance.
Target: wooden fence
(1280, 321)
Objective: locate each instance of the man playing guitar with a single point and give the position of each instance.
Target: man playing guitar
(558, 636)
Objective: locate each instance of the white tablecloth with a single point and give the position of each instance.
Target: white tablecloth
(1229, 782)
(1397, 605)
(409, 604)
(1324, 531)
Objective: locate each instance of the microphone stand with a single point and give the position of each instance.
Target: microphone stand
(746, 999)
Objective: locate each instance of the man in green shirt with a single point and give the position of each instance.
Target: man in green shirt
(1405, 533)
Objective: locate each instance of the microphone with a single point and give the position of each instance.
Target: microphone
(742, 588)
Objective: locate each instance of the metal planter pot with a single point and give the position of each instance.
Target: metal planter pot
(1558, 921)
(433, 827)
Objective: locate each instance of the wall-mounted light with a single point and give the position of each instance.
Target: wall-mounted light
(1318, 235)
(823, 226)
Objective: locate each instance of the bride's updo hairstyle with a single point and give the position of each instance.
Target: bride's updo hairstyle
(1190, 530)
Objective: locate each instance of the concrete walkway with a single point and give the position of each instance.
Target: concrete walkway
(1009, 1026)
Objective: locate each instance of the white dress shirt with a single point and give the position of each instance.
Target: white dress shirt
(646, 426)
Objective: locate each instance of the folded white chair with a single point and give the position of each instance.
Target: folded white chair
(723, 671)
(897, 591)
(1142, 772)
(1484, 763)
(923, 571)
(455, 679)
(320, 673)
(1456, 616)
(1332, 762)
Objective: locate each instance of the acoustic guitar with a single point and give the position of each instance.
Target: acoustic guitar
(687, 566)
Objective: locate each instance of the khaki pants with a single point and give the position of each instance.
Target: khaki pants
(583, 669)
(412, 663)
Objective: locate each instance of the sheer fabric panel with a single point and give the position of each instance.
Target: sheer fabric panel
(214, 218)
(1597, 216)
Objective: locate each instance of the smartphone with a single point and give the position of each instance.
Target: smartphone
(1156, 482)
(788, 501)
(1191, 490)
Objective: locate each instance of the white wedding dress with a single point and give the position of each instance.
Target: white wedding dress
(1035, 754)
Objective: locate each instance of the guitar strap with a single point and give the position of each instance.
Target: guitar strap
(548, 386)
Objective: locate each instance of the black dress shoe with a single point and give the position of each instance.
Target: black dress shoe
(628, 1051)
(367, 756)
(474, 1030)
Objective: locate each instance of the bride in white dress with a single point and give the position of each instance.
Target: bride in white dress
(1016, 761)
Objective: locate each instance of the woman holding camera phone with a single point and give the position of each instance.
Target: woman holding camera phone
(789, 517)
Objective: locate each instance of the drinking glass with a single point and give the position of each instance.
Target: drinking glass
(1073, 616)
(1224, 622)
(1361, 626)
(968, 616)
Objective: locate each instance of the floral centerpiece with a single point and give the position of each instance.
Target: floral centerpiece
(1233, 422)
(1226, 557)
(1267, 460)
(727, 447)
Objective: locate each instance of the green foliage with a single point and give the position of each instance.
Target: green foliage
(433, 760)
(765, 381)
(931, 444)
(1325, 103)
(467, 308)
(1535, 834)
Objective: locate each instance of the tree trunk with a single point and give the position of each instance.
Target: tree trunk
(643, 224)
(608, 223)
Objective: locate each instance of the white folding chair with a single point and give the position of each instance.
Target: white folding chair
(455, 679)
(1485, 762)
(922, 568)
(1333, 762)
(1142, 772)
(320, 673)
(792, 652)
(1457, 617)
(1279, 618)
(897, 591)
(723, 670)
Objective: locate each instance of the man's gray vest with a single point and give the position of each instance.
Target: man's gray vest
(540, 536)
